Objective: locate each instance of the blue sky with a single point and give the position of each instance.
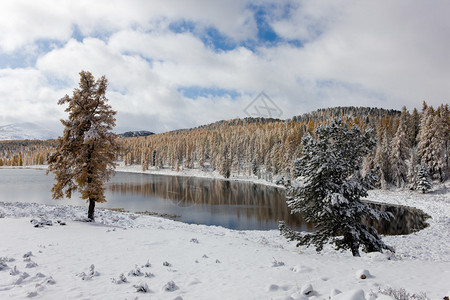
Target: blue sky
(179, 64)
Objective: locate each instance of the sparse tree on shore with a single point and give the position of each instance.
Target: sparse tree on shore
(84, 157)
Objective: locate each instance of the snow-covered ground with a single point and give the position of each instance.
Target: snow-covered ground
(173, 260)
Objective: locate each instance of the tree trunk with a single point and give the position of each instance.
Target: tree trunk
(352, 243)
(91, 209)
(355, 250)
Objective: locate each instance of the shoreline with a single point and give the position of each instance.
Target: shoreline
(252, 264)
(441, 188)
(197, 173)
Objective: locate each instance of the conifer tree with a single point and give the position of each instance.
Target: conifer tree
(413, 127)
(382, 159)
(399, 152)
(423, 182)
(439, 143)
(412, 169)
(329, 190)
(84, 157)
(425, 137)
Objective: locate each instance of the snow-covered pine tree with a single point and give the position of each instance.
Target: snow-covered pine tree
(423, 182)
(399, 152)
(84, 157)
(382, 159)
(328, 190)
(439, 143)
(413, 165)
(425, 138)
(413, 127)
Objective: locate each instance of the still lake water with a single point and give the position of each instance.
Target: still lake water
(235, 205)
(231, 204)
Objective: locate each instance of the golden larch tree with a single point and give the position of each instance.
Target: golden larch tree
(84, 157)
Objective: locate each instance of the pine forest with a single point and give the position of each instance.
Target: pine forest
(412, 148)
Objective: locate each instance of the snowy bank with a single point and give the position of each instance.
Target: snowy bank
(122, 254)
(125, 256)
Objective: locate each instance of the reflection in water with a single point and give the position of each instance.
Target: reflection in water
(239, 205)
(266, 206)
(406, 220)
(236, 205)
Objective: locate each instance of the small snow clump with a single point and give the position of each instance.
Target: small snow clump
(170, 286)
(142, 287)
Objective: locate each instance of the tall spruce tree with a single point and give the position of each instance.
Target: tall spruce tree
(84, 157)
(426, 137)
(400, 152)
(328, 190)
(423, 181)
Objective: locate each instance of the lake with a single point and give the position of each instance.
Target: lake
(231, 204)
(235, 205)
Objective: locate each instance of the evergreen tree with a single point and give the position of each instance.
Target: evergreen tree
(425, 138)
(399, 152)
(382, 159)
(412, 169)
(423, 182)
(413, 127)
(439, 143)
(330, 188)
(84, 157)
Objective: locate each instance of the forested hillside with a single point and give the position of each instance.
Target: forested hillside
(412, 147)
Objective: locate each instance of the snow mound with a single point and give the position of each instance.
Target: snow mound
(362, 274)
(356, 294)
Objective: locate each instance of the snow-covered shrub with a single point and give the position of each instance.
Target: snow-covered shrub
(136, 272)
(92, 271)
(392, 255)
(62, 223)
(41, 222)
(28, 254)
(170, 286)
(147, 264)
(276, 263)
(402, 294)
(142, 287)
(90, 274)
(31, 264)
(122, 279)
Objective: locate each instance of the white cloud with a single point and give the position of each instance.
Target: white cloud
(394, 48)
(27, 96)
(23, 22)
(386, 54)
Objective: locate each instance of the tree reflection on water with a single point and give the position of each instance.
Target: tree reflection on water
(236, 204)
(247, 200)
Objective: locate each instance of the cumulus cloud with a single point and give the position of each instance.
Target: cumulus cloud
(167, 68)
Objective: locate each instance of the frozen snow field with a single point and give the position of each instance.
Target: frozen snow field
(128, 256)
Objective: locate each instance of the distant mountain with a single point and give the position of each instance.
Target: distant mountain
(26, 131)
(135, 133)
